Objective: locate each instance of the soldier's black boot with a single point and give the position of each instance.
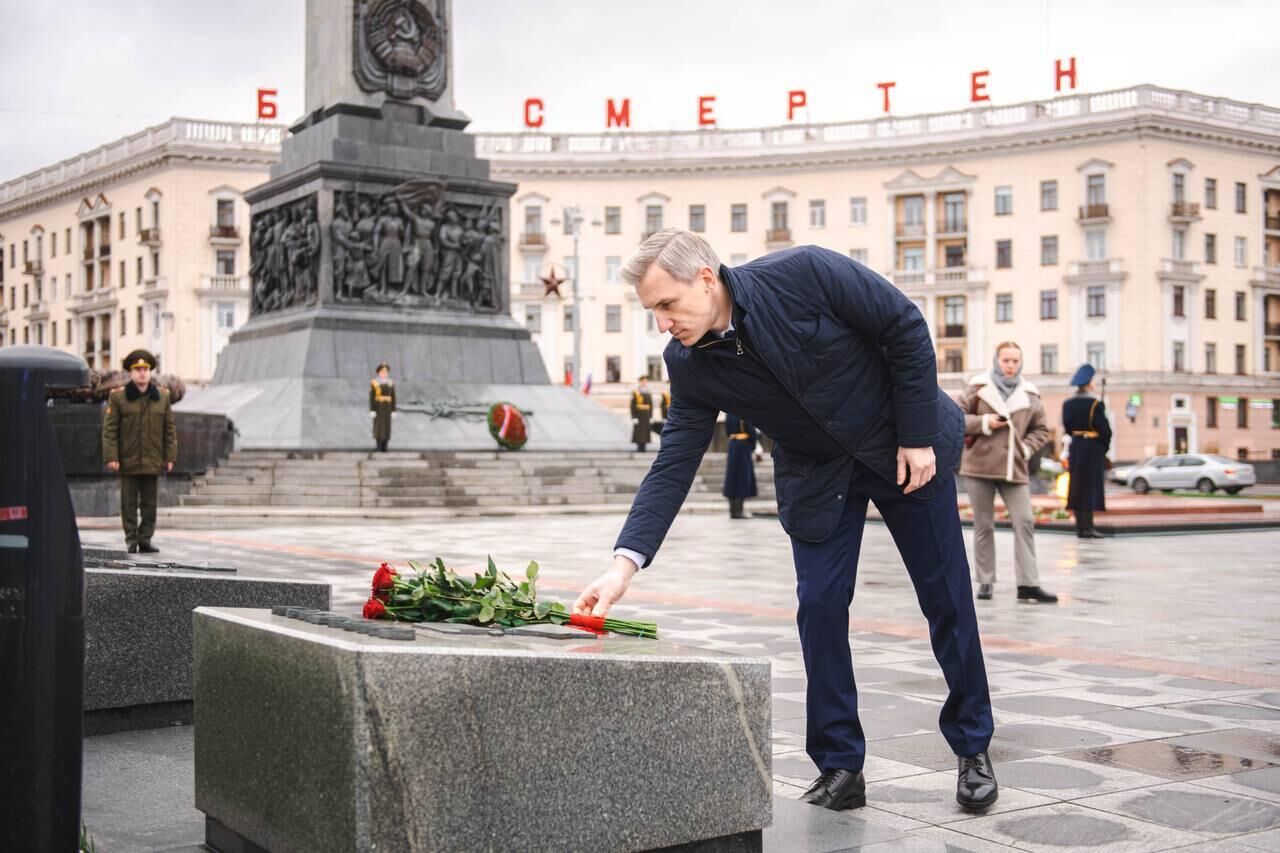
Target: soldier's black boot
(147, 548)
(133, 547)
(735, 508)
(1036, 595)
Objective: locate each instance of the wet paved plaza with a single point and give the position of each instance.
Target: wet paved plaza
(1141, 713)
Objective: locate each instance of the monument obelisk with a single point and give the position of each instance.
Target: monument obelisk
(380, 237)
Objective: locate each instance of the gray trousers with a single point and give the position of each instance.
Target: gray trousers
(1017, 498)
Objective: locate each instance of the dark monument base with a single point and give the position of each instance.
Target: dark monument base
(299, 379)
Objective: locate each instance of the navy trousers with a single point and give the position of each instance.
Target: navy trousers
(928, 537)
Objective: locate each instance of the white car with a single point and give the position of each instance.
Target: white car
(1204, 472)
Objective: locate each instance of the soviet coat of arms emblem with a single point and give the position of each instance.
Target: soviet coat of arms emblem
(400, 47)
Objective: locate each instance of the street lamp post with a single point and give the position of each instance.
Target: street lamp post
(573, 216)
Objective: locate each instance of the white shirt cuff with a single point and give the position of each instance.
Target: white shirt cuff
(634, 556)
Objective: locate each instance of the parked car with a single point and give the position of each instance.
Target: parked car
(1205, 472)
(1121, 473)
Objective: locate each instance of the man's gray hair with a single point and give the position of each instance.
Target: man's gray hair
(680, 253)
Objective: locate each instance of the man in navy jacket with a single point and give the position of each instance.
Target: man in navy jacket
(837, 367)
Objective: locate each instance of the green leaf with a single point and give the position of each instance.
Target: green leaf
(532, 571)
(486, 613)
(557, 607)
(493, 567)
(541, 609)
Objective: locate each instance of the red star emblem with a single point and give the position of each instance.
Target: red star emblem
(552, 283)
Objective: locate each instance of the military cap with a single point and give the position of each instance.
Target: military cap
(140, 358)
(382, 366)
(1083, 376)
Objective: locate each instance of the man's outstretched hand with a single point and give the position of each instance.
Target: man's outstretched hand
(917, 462)
(606, 590)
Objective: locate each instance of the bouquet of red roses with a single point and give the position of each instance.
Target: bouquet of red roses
(439, 594)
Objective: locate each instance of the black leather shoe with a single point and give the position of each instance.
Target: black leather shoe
(984, 592)
(1036, 595)
(1091, 533)
(976, 789)
(147, 548)
(838, 790)
(133, 547)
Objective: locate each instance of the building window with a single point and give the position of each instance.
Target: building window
(570, 268)
(53, 335)
(1004, 254)
(650, 325)
(613, 318)
(652, 218)
(137, 324)
(612, 268)
(567, 216)
(1004, 307)
(1240, 360)
(1179, 247)
(698, 218)
(738, 217)
(1242, 413)
(226, 312)
(122, 273)
(155, 264)
(1210, 358)
(1004, 201)
(1048, 304)
(53, 245)
(1095, 192)
(737, 260)
(1211, 193)
(137, 219)
(653, 368)
(859, 255)
(613, 220)
(1179, 187)
(1096, 354)
(1211, 248)
(953, 361)
(226, 264)
(568, 318)
(533, 318)
(1048, 358)
(912, 260)
(1211, 304)
(954, 257)
(1275, 423)
(1095, 244)
(1241, 191)
(1179, 301)
(858, 210)
(1097, 301)
(1179, 357)
(121, 220)
(1049, 250)
(1048, 195)
(953, 315)
(533, 219)
(138, 264)
(1242, 251)
(913, 212)
(1240, 300)
(817, 213)
(613, 368)
(953, 213)
(779, 215)
(1211, 412)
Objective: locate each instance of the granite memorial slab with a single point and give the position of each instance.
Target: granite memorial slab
(311, 736)
(138, 636)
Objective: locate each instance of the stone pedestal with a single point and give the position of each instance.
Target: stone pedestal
(137, 667)
(312, 738)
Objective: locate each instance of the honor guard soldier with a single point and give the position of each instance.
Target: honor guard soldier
(382, 405)
(641, 414)
(1084, 418)
(739, 468)
(139, 442)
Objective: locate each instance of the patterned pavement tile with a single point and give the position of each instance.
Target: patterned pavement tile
(1191, 808)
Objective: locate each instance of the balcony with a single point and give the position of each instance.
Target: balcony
(1094, 214)
(219, 284)
(38, 311)
(1267, 276)
(104, 251)
(777, 238)
(1271, 330)
(33, 267)
(910, 230)
(1184, 212)
(149, 237)
(953, 227)
(951, 276)
(1273, 223)
(88, 253)
(1095, 272)
(224, 234)
(908, 278)
(951, 331)
(1173, 269)
(533, 241)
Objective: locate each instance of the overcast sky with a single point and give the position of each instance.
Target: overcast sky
(83, 72)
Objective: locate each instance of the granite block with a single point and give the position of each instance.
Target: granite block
(312, 738)
(138, 628)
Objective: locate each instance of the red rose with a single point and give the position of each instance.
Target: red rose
(373, 609)
(384, 582)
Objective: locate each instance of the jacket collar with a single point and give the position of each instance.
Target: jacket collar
(1020, 398)
(132, 393)
(739, 294)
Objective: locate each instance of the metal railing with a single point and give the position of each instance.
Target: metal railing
(149, 236)
(533, 238)
(953, 330)
(910, 229)
(33, 267)
(1185, 209)
(1094, 211)
(224, 232)
(778, 235)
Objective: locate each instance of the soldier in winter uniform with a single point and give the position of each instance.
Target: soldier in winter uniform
(382, 405)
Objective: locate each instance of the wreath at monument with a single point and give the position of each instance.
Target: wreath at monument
(439, 594)
(508, 426)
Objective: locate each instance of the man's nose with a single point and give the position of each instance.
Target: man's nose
(664, 323)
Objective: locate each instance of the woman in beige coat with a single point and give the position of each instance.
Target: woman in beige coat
(1004, 425)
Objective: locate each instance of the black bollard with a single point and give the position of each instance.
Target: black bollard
(41, 610)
